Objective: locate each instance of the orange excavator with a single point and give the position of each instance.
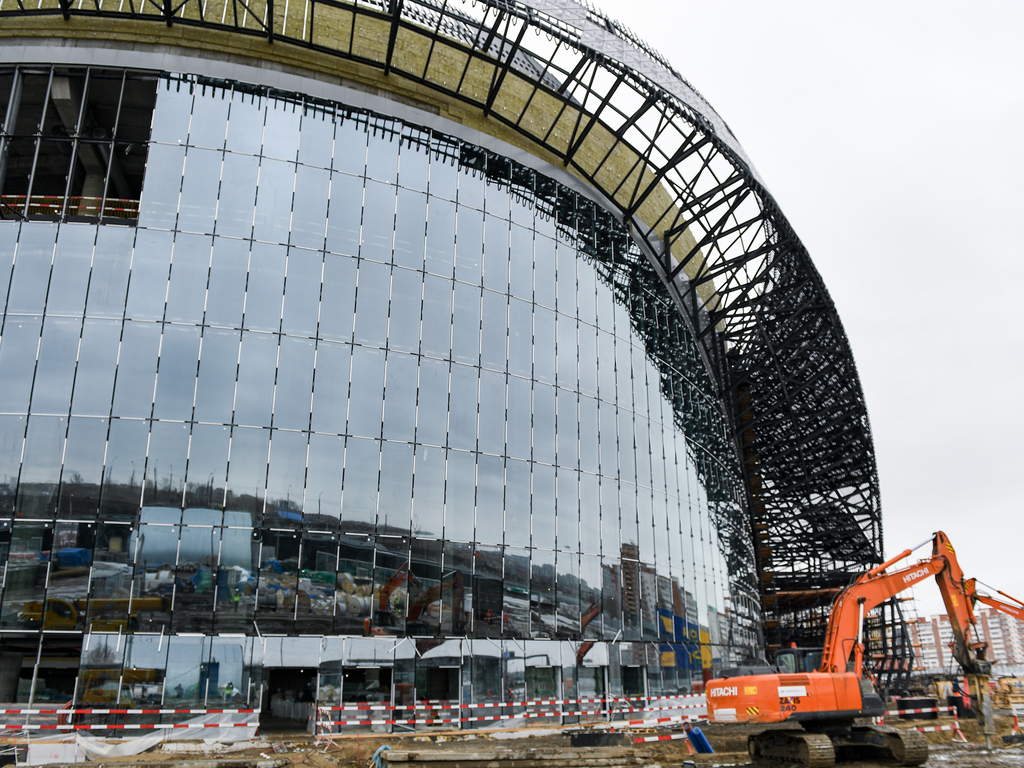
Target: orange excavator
(814, 714)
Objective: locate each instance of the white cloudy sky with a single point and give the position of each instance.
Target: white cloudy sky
(892, 136)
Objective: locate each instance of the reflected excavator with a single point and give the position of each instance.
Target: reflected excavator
(815, 714)
(383, 618)
(450, 582)
(385, 622)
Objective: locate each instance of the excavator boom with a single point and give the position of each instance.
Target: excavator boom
(1017, 611)
(1012, 610)
(844, 640)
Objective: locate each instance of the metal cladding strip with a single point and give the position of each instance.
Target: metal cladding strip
(126, 726)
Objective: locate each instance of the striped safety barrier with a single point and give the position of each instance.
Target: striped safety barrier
(518, 716)
(122, 727)
(440, 706)
(958, 735)
(452, 720)
(494, 718)
(919, 711)
(663, 737)
(127, 711)
(646, 723)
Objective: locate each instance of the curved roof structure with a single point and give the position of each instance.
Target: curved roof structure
(578, 90)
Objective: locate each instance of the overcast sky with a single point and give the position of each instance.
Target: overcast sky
(892, 136)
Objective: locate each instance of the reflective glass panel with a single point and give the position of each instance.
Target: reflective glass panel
(186, 296)
(199, 190)
(147, 286)
(309, 218)
(55, 369)
(71, 261)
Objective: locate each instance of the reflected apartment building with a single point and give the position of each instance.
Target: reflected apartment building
(318, 384)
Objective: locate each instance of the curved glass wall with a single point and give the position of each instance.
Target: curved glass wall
(345, 376)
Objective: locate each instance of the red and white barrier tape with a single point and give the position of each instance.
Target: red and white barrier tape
(512, 706)
(450, 720)
(656, 709)
(919, 711)
(440, 706)
(124, 727)
(958, 735)
(663, 737)
(127, 711)
(520, 716)
(647, 723)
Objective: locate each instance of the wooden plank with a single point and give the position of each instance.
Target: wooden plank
(535, 763)
(442, 755)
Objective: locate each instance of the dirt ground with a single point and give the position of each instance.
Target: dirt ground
(728, 741)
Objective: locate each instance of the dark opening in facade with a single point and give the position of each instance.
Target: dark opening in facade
(73, 142)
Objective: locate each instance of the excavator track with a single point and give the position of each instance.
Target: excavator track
(903, 747)
(914, 748)
(879, 742)
(775, 748)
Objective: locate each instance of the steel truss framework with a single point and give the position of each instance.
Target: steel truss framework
(583, 91)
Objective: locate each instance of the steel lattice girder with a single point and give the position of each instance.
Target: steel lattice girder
(581, 90)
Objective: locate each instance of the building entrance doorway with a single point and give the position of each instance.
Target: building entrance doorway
(289, 696)
(442, 684)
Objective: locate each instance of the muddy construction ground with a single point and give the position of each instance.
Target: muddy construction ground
(538, 748)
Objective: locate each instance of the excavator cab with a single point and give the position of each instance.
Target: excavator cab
(793, 661)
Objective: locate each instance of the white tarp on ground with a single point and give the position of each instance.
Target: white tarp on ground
(99, 748)
(53, 750)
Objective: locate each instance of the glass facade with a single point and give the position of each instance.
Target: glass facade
(337, 379)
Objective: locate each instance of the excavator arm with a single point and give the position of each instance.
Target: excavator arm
(845, 628)
(1017, 611)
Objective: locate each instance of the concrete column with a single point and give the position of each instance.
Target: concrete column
(10, 673)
